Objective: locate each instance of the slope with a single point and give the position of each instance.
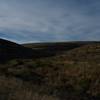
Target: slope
(89, 52)
(10, 50)
(71, 74)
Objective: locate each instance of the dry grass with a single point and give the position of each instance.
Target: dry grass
(73, 75)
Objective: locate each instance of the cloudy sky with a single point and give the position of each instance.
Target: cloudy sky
(49, 20)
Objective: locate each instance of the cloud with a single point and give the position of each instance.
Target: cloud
(49, 20)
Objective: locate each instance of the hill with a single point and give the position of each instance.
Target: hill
(55, 71)
(56, 48)
(11, 50)
(88, 52)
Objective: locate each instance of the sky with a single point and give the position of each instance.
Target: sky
(24, 21)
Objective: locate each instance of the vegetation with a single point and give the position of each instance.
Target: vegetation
(67, 73)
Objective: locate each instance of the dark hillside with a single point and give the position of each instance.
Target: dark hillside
(10, 50)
